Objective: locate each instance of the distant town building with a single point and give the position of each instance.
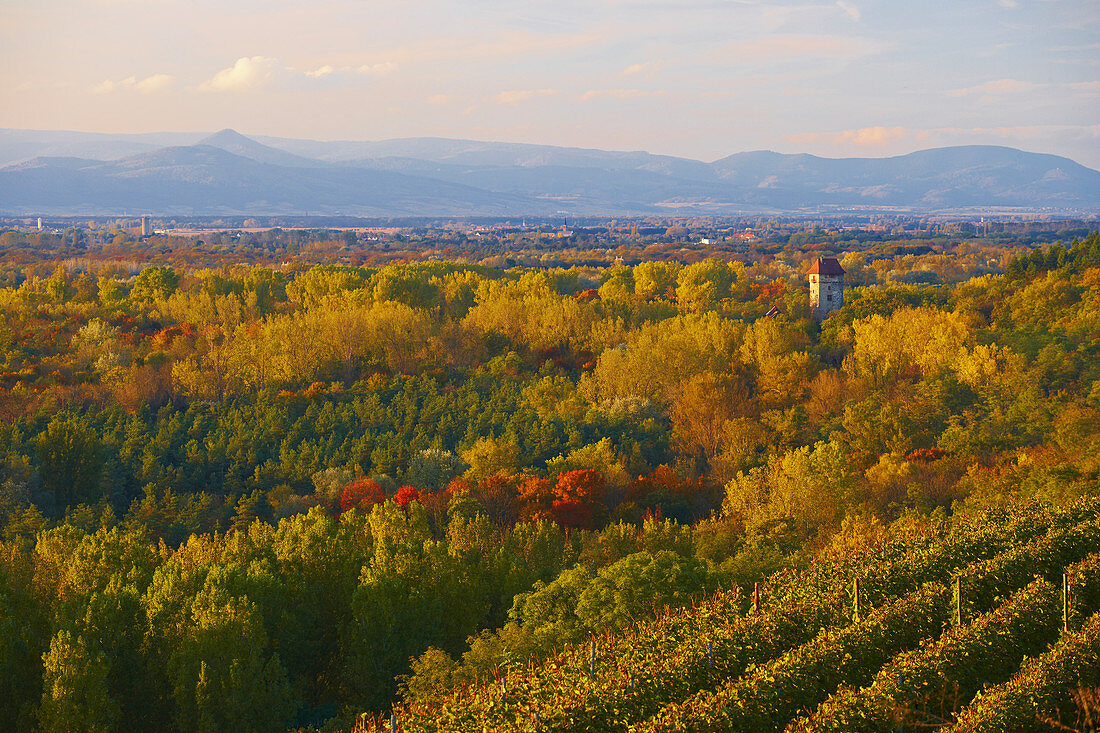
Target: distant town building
(826, 287)
(40, 223)
(144, 226)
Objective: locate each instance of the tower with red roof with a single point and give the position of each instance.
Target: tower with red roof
(826, 287)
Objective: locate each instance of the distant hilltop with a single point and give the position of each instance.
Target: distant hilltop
(226, 173)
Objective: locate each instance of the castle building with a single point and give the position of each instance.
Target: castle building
(826, 287)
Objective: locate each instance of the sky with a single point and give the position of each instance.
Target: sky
(695, 78)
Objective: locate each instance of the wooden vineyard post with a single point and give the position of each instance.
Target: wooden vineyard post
(393, 722)
(504, 687)
(1065, 603)
(710, 654)
(592, 662)
(901, 725)
(756, 597)
(958, 601)
(855, 600)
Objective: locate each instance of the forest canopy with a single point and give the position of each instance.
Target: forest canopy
(255, 496)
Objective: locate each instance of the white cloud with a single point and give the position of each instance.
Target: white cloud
(880, 136)
(1008, 3)
(649, 68)
(379, 69)
(875, 136)
(154, 83)
(258, 71)
(849, 8)
(148, 85)
(246, 73)
(1000, 86)
(621, 94)
(440, 99)
(872, 136)
(516, 96)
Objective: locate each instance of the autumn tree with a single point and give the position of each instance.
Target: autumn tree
(362, 494)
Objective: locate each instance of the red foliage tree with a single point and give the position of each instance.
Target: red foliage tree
(587, 295)
(926, 455)
(362, 493)
(405, 495)
(457, 485)
(536, 497)
(573, 514)
(771, 290)
(665, 492)
(583, 484)
(578, 498)
(663, 480)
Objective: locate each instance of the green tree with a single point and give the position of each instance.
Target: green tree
(223, 677)
(154, 283)
(634, 588)
(433, 468)
(110, 292)
(70, 459)
(74, 685)
(411, 595)
(24, 635)
(549, 610)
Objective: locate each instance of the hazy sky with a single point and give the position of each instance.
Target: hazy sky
(701, 79)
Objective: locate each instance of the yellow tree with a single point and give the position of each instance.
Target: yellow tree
(655, 280)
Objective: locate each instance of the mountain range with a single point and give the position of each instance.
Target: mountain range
(71, 173)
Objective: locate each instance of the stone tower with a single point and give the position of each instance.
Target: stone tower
(826, 287)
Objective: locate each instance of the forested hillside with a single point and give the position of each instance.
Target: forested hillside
(258, 497)
(229, 173)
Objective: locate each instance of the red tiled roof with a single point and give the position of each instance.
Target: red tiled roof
(826, 266)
